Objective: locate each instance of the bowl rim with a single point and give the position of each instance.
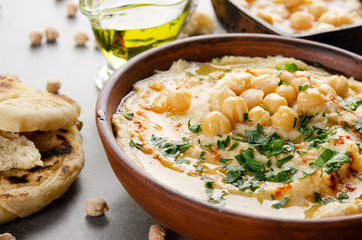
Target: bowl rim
(287, 34)
(105, 129)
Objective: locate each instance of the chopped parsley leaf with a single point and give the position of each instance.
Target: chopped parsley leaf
(194, 128)
(136, 145)
(281, 204)
(182, 161)
(320, 66)
(283, 160)
(235, 145)
(345, 126)
(282, 82)
(201, 157)
(199, 168)
(168, 148)
(303, 88)
(128, 116)
(343, 196)
(224, 143)
(358, 125)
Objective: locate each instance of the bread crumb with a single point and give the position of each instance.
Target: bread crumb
(53, 85)
(51, 34)
(72, 9)
(156, 233)
(35, 37)
(96, 207)
(81, 38)
(7, 236)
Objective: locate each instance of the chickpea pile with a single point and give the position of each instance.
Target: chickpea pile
(305, 15)
(274, 99)
(270, 100)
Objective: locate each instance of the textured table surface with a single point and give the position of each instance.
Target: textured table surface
(65, 218)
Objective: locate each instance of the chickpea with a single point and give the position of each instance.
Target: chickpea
(317, 9)
(273, 102)
(325, 89)
(215, 123)
(266, 83)
(234, 108)
(324, 26)
(267, 17)
(300, 81)
(217, 98)
(179, 100)
(288, 92)
(301, 20)
(286, 76)
(332, 18)
(239, 82)
(346, 19)
(340, 84)
(159, 105)
(284, 118)
(310, 101)
(259, 115)
(252, 97)
(292, 3)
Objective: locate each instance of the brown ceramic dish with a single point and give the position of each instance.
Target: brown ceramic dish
(185, 215)
(235, 18)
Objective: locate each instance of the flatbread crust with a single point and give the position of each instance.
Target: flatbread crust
(23, 109)
(23, 192)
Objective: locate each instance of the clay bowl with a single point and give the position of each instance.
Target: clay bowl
(190, 217)
(235, 18)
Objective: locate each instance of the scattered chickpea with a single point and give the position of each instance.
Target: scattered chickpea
(72, 9)
(340, 85)
(239, 82)
(259, 115)
(253, 97)
(179, 100)
(96, 207)
(301, 20)
(156, 233)
(266, 83)
(79, 125)
(273, 102)
(35, 37)
(332, 18)
(284, 118)
(265, 17)
(7, 236)
(53, 85)
(217, 98)
(81, 38)
(11, 75)
(215, 123)
(234, 108)
(310, 101)
(292, 3)
(51, 34)
(317, 9)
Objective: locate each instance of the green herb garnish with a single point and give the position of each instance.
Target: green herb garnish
(128, 116)
(194, 128)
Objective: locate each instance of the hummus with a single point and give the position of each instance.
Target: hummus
(305, 16)
(270, 136)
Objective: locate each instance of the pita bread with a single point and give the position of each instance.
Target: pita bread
(23, 109)
(17, 151)
(25, 191)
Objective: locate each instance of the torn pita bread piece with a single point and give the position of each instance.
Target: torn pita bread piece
(40, 148)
